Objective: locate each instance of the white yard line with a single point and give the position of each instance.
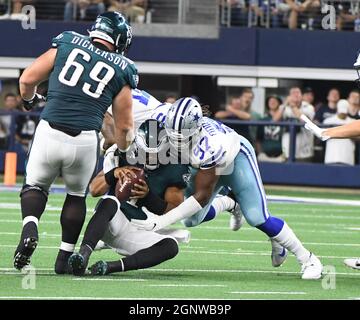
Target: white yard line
(262, 241)
(171, 285)
(269, 292)
(111, 280)
(289, 199)
(278, 272)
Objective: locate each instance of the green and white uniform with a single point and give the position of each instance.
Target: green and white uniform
(82, 85)
(121, 234)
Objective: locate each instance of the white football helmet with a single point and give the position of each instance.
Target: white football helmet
(183, 122)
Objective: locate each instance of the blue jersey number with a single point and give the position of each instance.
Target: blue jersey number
(202, 147)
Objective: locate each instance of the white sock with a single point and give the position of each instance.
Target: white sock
(30, 219)
(288, 240)
(69, 247)
(223, 203)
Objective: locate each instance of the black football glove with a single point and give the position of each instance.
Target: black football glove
(29, 104)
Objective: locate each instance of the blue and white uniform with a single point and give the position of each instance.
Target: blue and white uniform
(235, 161)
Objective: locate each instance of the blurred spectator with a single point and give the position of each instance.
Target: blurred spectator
(259, 11)
(268, 140)
(327, 110)
(305, 12)
(354, 104)
(170, 98)
(292, 110)
(25, 128)
(10, 104)
(135, 10)
(340, 151)
(347, 14)
(308, 95)
(88, 9)
(238, 12)
(18, 4)
(240, 108)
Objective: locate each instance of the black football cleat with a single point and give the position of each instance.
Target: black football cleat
(24, 252)
(99, 268)
(77, 264)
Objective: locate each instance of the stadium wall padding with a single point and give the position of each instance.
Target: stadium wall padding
(236, 46)
(307, 174)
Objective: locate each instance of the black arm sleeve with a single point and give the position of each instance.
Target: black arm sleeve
(109, 177)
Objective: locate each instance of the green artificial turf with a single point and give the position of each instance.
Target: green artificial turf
(217, 263)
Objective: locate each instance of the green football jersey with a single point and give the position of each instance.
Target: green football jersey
(84, 82)
(158, 180)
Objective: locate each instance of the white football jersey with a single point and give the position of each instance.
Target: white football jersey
(144, 105)
(217, 145)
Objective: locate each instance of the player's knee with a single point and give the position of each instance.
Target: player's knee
(27, 188)
(108, 206)
(272, 226)
(170, 247)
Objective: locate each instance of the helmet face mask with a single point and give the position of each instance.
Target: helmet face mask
(152, 143)
(113, 28)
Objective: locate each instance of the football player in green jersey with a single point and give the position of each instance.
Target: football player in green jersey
(162, 190)
(86, 74)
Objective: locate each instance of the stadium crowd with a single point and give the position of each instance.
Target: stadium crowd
(271, 141)
(292, 14)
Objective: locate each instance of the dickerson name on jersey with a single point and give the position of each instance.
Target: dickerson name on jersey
(122, 62)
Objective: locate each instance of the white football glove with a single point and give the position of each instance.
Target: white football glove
(152, 223)
(311, 126)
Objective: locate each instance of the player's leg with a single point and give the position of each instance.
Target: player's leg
(41, 170)
(250, 194)
(105, 211)
(78, 167)
(163, 250)
(142, 249)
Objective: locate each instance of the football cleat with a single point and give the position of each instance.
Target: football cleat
(236, 219)
(278, 254)
(77, 264)
(24, 252)
(312, 269)
(353, 263)
(99, 268)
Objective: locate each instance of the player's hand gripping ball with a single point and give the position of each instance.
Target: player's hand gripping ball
(127, 178)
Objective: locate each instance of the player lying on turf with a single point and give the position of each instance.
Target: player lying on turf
(110, 222)
(86, 74)
(221, 158)
(161, 192)
(146, 106)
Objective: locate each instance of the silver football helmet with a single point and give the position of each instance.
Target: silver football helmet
(183, 122)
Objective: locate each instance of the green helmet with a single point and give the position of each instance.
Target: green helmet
(152, 143)
(112, 27)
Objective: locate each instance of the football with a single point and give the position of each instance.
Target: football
(123, 191)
